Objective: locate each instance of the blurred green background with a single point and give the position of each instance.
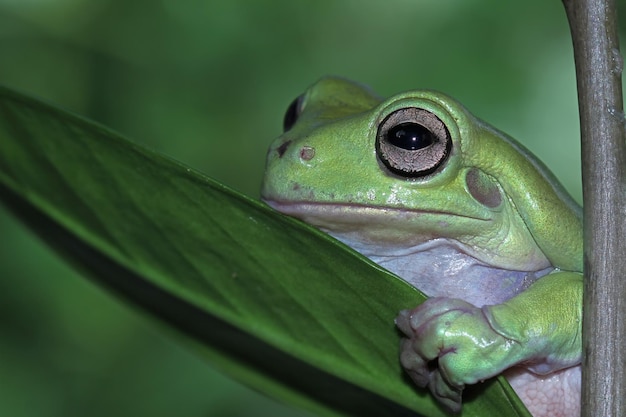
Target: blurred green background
(207, 82)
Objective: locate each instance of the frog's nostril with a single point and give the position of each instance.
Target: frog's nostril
(307, 153)
(283, 148)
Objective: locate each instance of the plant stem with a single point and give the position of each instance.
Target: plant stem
(593, 24)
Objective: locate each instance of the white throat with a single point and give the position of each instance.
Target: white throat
(442, 268)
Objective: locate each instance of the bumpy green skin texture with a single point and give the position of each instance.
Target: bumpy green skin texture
(540, 327)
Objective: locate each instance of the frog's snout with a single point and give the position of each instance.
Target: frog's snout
(306, 152)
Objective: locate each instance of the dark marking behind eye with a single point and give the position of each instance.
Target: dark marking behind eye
(483, 188)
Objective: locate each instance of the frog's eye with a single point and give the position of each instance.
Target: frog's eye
(292, 113)
(412, 142)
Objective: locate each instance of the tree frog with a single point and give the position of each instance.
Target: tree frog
(459, 210)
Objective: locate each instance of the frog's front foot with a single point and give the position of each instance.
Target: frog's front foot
(449, 343)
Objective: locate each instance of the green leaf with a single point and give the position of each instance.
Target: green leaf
(269, 300)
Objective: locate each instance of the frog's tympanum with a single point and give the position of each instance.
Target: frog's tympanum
(459, 210)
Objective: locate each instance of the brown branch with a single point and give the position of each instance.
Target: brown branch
(593, 24)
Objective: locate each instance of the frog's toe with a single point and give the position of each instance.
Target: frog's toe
(414, 365)
(403, 322)
(424, 374)
(447, 395)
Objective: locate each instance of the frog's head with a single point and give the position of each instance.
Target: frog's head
(416, 167)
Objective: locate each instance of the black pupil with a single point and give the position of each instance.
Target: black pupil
(292, 113)
(410, 136)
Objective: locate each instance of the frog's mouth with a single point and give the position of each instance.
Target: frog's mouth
(381, 224)
(349, 213)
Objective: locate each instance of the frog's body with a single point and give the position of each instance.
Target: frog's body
(459, 210)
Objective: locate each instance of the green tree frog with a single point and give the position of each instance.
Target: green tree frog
(459, 210)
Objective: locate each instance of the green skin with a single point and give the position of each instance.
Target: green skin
(488, 202)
